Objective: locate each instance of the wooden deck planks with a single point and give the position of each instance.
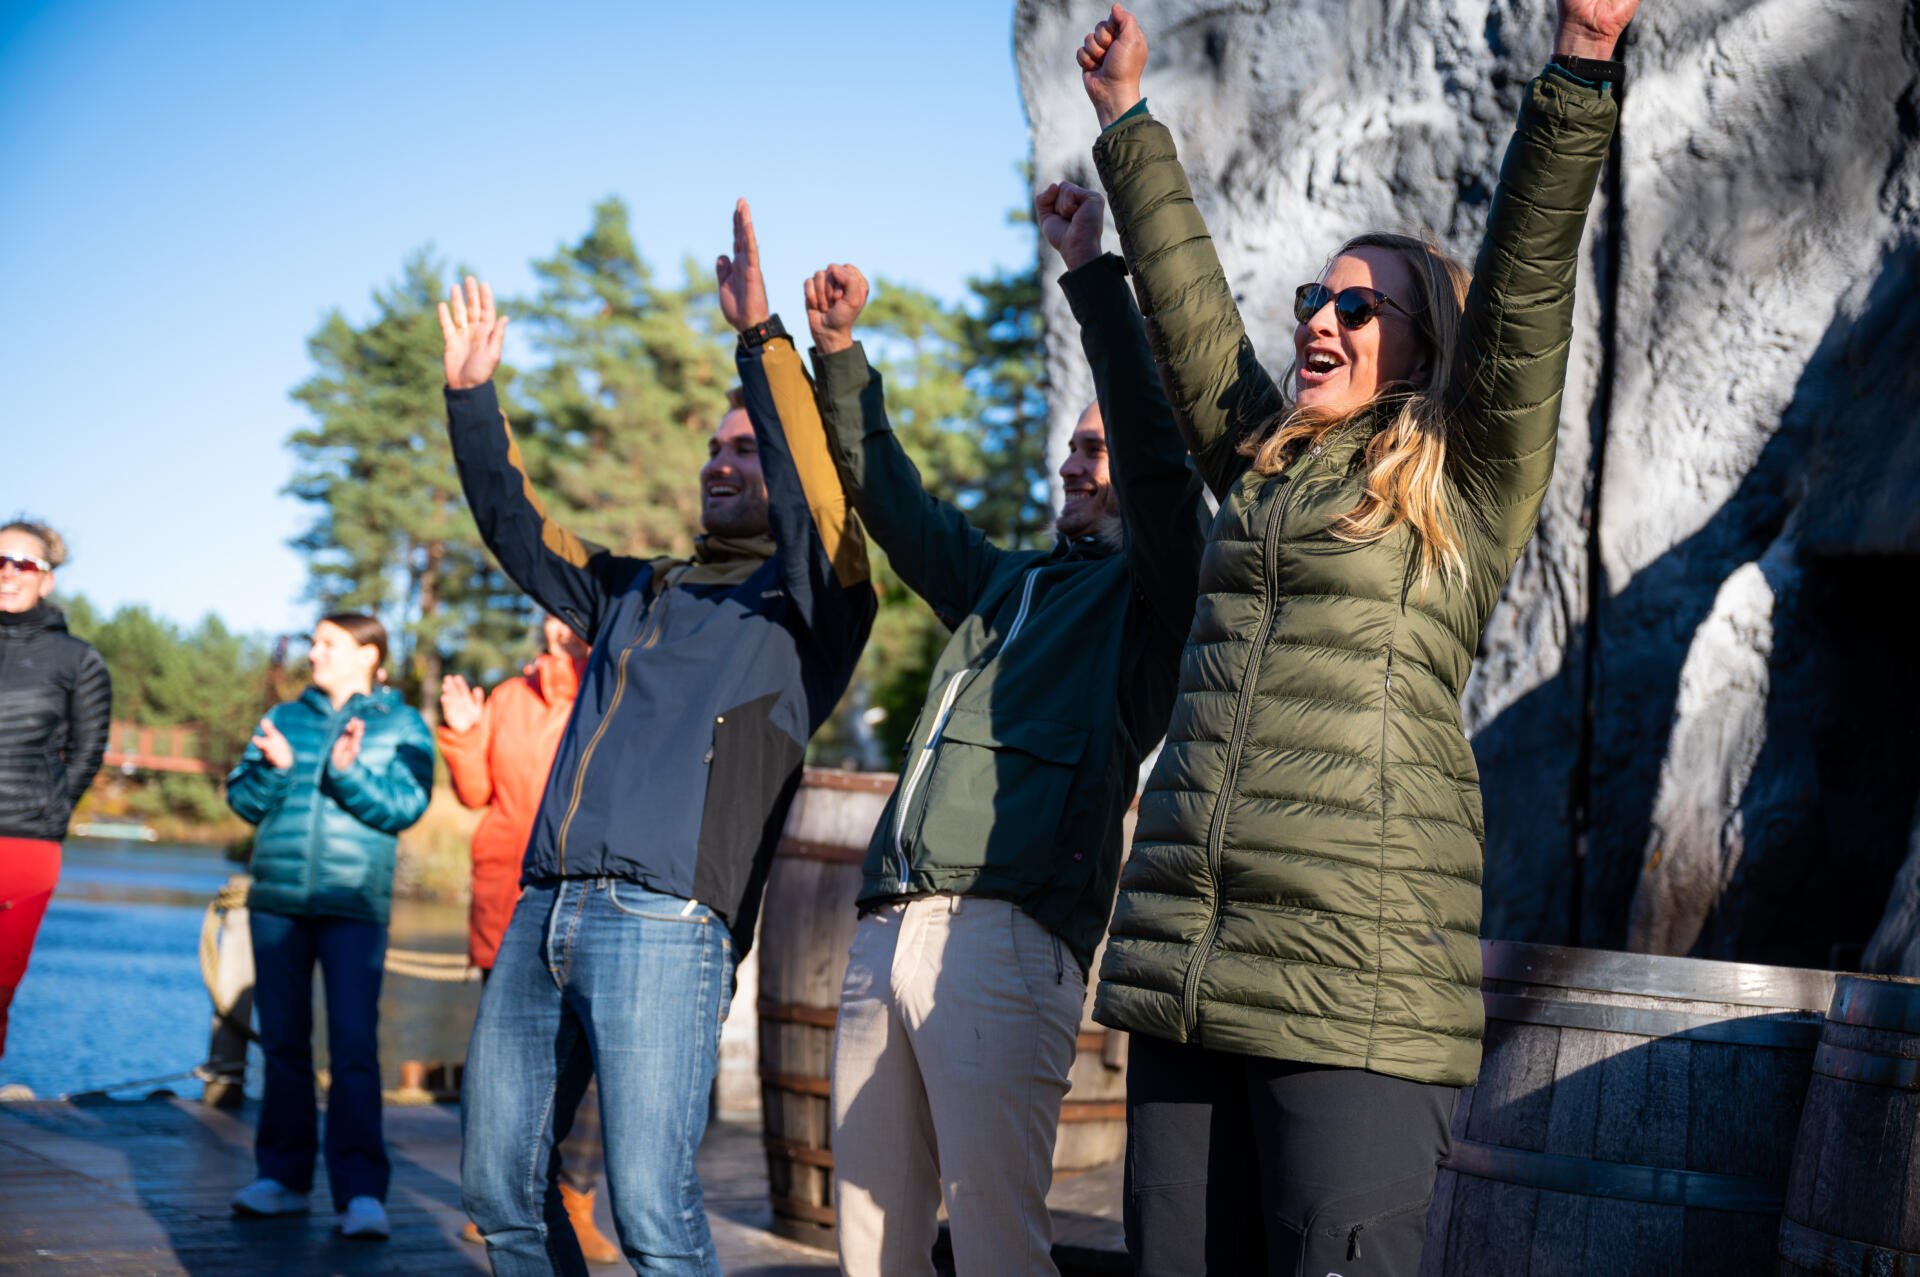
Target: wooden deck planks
(142, 1188)
(123, 1189)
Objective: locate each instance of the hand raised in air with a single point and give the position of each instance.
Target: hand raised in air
(835, 297)
(474, 333)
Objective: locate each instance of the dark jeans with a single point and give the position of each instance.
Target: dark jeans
(581, 1158)
(351, 955)
(596, 978)
(1243, 1165)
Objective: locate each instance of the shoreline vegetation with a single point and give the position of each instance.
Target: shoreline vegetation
(432, 862)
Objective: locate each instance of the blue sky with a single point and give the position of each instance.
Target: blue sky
(189, 188)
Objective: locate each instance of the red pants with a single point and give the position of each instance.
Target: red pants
(29, 868)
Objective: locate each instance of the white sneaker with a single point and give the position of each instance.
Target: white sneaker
(269, 1197)
(365, 1217)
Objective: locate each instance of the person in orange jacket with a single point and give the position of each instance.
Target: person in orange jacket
(499, 751)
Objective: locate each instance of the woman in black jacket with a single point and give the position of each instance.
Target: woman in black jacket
(55, 703)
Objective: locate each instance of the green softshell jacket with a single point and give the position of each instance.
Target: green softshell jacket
(1060, 671)
(1305, 876)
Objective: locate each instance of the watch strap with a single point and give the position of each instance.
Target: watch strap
(757, 335)
(1592, 70)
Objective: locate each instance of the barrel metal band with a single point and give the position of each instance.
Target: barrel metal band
(1825, 1253)
(1877, 1002)
(1656, 975)
(794, 1208)
(804, 1154)
(1648, 1023)
(1658, 1185)
(1850, 1065)
(798, 1013)
(798, 1085)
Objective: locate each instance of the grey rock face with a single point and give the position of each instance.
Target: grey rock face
(1688, 738)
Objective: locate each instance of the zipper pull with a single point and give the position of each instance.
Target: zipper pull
(1353, 1241)
(708, 760)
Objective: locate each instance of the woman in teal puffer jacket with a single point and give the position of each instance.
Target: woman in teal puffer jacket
(330, 779)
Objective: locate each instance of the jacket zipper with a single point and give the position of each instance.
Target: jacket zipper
(647, 638)
(927, 751)
(1236, 743)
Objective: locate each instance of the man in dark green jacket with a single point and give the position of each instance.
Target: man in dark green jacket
(988, 883)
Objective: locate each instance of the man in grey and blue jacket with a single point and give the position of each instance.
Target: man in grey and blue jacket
(644, 870)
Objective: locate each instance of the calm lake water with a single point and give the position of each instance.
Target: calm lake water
(114, 995)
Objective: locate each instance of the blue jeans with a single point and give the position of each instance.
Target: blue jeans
(351, 955)
(596, 977)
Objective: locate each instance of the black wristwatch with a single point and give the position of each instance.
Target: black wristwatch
(758, 335)
(1592, 70)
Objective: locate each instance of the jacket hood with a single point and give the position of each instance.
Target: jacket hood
(555, 679)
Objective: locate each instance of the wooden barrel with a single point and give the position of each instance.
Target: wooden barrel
(1853, 1199)
(806, 928)
(1634, 1116)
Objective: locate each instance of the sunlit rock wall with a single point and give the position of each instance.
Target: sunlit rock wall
(1692, 717)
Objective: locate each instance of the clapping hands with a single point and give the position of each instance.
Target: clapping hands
(346, 746)
(461, 706)
(273, 746)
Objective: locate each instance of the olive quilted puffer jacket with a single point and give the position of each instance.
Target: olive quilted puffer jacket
(1305, 879)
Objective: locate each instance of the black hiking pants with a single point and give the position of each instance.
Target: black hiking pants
(1242, 1165)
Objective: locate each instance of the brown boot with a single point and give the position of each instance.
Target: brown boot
(593, 1244)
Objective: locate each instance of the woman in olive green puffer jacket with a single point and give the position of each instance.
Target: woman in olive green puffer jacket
(1296, 937)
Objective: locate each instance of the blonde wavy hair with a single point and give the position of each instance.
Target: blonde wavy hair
(53, 545)
(1406, 457)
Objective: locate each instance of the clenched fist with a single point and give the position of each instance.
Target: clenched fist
(835, 298)
(1112, 59)
(1071, 217)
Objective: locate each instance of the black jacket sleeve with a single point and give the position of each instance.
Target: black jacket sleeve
(568, 576)
(1162, 505)
(938, 553)
(89, 716)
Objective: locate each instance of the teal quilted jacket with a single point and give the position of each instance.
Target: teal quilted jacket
(325, 842)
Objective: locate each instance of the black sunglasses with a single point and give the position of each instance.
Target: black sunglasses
(1354, 307)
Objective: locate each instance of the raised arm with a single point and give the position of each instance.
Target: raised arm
(1510, 367)
(1161, 507)
(938, 553)
(823, 552)
(1218, 390)
(465, 732)
(566, 575)
(90, 718)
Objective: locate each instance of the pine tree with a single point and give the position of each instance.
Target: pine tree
(392, 534)
(632, 380)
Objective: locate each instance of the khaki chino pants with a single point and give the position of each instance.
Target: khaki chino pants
(958, 1019)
